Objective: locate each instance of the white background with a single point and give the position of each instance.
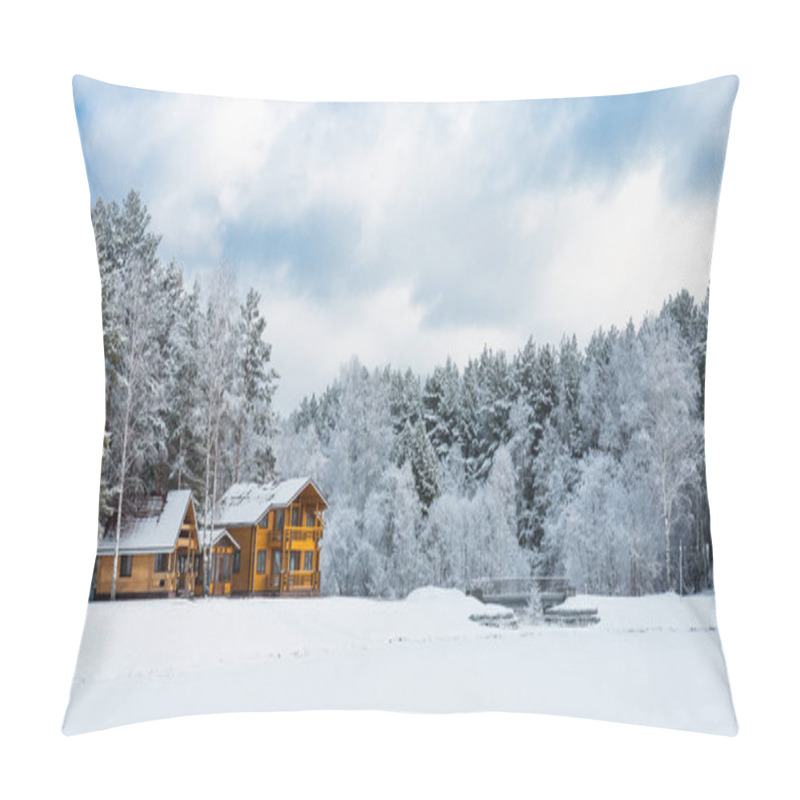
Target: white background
(52, 387)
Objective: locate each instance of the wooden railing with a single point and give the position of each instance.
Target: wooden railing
(297, 533)
(301, 580)
(301, 533)
(274, 582)
(282, 582)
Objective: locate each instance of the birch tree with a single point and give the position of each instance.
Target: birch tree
(218, 357)
(670, 433)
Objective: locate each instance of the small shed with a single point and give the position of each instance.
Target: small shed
(224, 555)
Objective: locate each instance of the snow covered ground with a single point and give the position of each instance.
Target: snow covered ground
(652, 660)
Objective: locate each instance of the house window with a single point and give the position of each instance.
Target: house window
(309, 518)
(264, 521)
(280, 518)
(276, 562)
(308, 566)
(237, 558)
(161, 562)
(181, 562)
(295, 516)
(294, 560)
(261, 563)
(226, 568)
(197, 558)
(125, 566)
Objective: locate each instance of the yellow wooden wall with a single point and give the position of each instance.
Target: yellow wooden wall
(240, 581)
(255, 539)
(143, 580)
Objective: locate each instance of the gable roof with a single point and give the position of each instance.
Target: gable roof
(218, 535)
(246, 503)
(156, 530)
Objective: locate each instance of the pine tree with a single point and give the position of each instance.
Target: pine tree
(567, 416)
(125, 246)
(255, 383)
(425, 467)
(136, 410)
(469, 424)
(185, 422)
(494, 393)
(441, 402)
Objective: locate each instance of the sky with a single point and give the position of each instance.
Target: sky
(404, 233)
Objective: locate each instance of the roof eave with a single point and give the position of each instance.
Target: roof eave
(294, 497)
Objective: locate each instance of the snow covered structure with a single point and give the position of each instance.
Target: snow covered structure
(223, 552)
(158, 549)
(278, 528)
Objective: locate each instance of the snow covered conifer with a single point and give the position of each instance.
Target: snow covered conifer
(184, 420)
(424, 465)
(134, 314)
(254, 459)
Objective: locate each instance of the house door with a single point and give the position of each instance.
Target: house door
(217, 574)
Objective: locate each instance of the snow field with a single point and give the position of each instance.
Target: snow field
(652, 660)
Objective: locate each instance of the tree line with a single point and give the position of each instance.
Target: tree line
(586, 462)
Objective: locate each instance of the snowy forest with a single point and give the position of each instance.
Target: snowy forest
(552, 460)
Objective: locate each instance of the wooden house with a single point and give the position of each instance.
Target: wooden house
(278, 528)
(157, 550)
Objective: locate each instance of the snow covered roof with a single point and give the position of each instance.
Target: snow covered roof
(218, 535)
(246, 503)
(156, 530)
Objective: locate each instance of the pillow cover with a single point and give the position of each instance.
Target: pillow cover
(404, 406)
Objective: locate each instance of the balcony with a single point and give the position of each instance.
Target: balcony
(297, 533)
(301, 580)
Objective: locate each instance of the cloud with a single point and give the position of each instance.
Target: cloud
(616, 255)
(405, 232)
(311, 338)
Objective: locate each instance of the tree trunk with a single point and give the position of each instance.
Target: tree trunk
(667, 549)
(665, 506)
(238, 448)
(125, 429)
(205, 510)
(213, 494)
(239, 432)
